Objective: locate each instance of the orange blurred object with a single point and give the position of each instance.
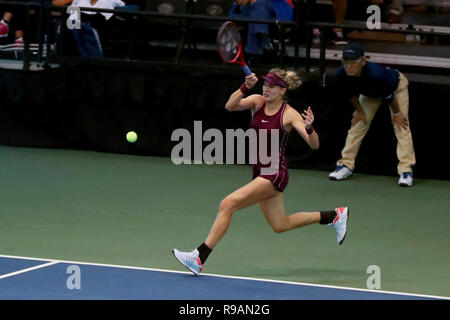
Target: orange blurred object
(61, 2)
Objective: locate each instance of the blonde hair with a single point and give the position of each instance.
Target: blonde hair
(290, 77)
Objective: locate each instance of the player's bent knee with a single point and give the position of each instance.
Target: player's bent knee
(227, 205)
(278, 228)
(280, 225)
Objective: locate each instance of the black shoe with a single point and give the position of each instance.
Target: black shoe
(268, 48)
(266, 44)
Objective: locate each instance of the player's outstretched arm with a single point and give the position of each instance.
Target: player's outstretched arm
(303, 123)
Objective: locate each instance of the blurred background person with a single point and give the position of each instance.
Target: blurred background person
(87, 37)
(258, 34)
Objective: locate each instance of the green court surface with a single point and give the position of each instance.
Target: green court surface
(132, 210)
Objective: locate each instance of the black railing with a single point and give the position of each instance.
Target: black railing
(324, 28)
(281, 25)
(301, 24)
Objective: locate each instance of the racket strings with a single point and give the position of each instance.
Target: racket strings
(229, 41)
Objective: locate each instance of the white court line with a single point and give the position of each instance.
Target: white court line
(53, 261)
(7, 275)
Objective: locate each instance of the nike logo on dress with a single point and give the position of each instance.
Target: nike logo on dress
(265, 120)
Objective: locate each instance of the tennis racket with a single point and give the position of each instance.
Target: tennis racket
(229, 45)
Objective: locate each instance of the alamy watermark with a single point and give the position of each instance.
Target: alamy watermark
(74, 19)
(233, 140)
(374, 20)
(374, 280)
(74, 280)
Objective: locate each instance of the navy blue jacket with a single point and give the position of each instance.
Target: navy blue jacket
(376, 81)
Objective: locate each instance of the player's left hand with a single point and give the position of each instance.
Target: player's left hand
(401, 121)
(308, 118)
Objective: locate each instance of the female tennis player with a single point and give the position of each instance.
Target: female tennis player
(269, 111)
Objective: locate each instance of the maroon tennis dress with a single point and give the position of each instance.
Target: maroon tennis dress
(261, 120)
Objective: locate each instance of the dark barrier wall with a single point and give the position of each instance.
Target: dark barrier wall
(92, 108)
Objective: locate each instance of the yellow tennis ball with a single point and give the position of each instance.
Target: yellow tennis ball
(131, 137)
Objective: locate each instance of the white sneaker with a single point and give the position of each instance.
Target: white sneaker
(406, 179)
(190, 260)
(341, 172)
(340, 223)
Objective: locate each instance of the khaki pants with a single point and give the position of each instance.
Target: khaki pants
(405, 149)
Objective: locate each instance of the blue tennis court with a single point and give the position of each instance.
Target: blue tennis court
(43, 279)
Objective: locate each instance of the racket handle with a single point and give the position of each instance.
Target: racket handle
(247, 70)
